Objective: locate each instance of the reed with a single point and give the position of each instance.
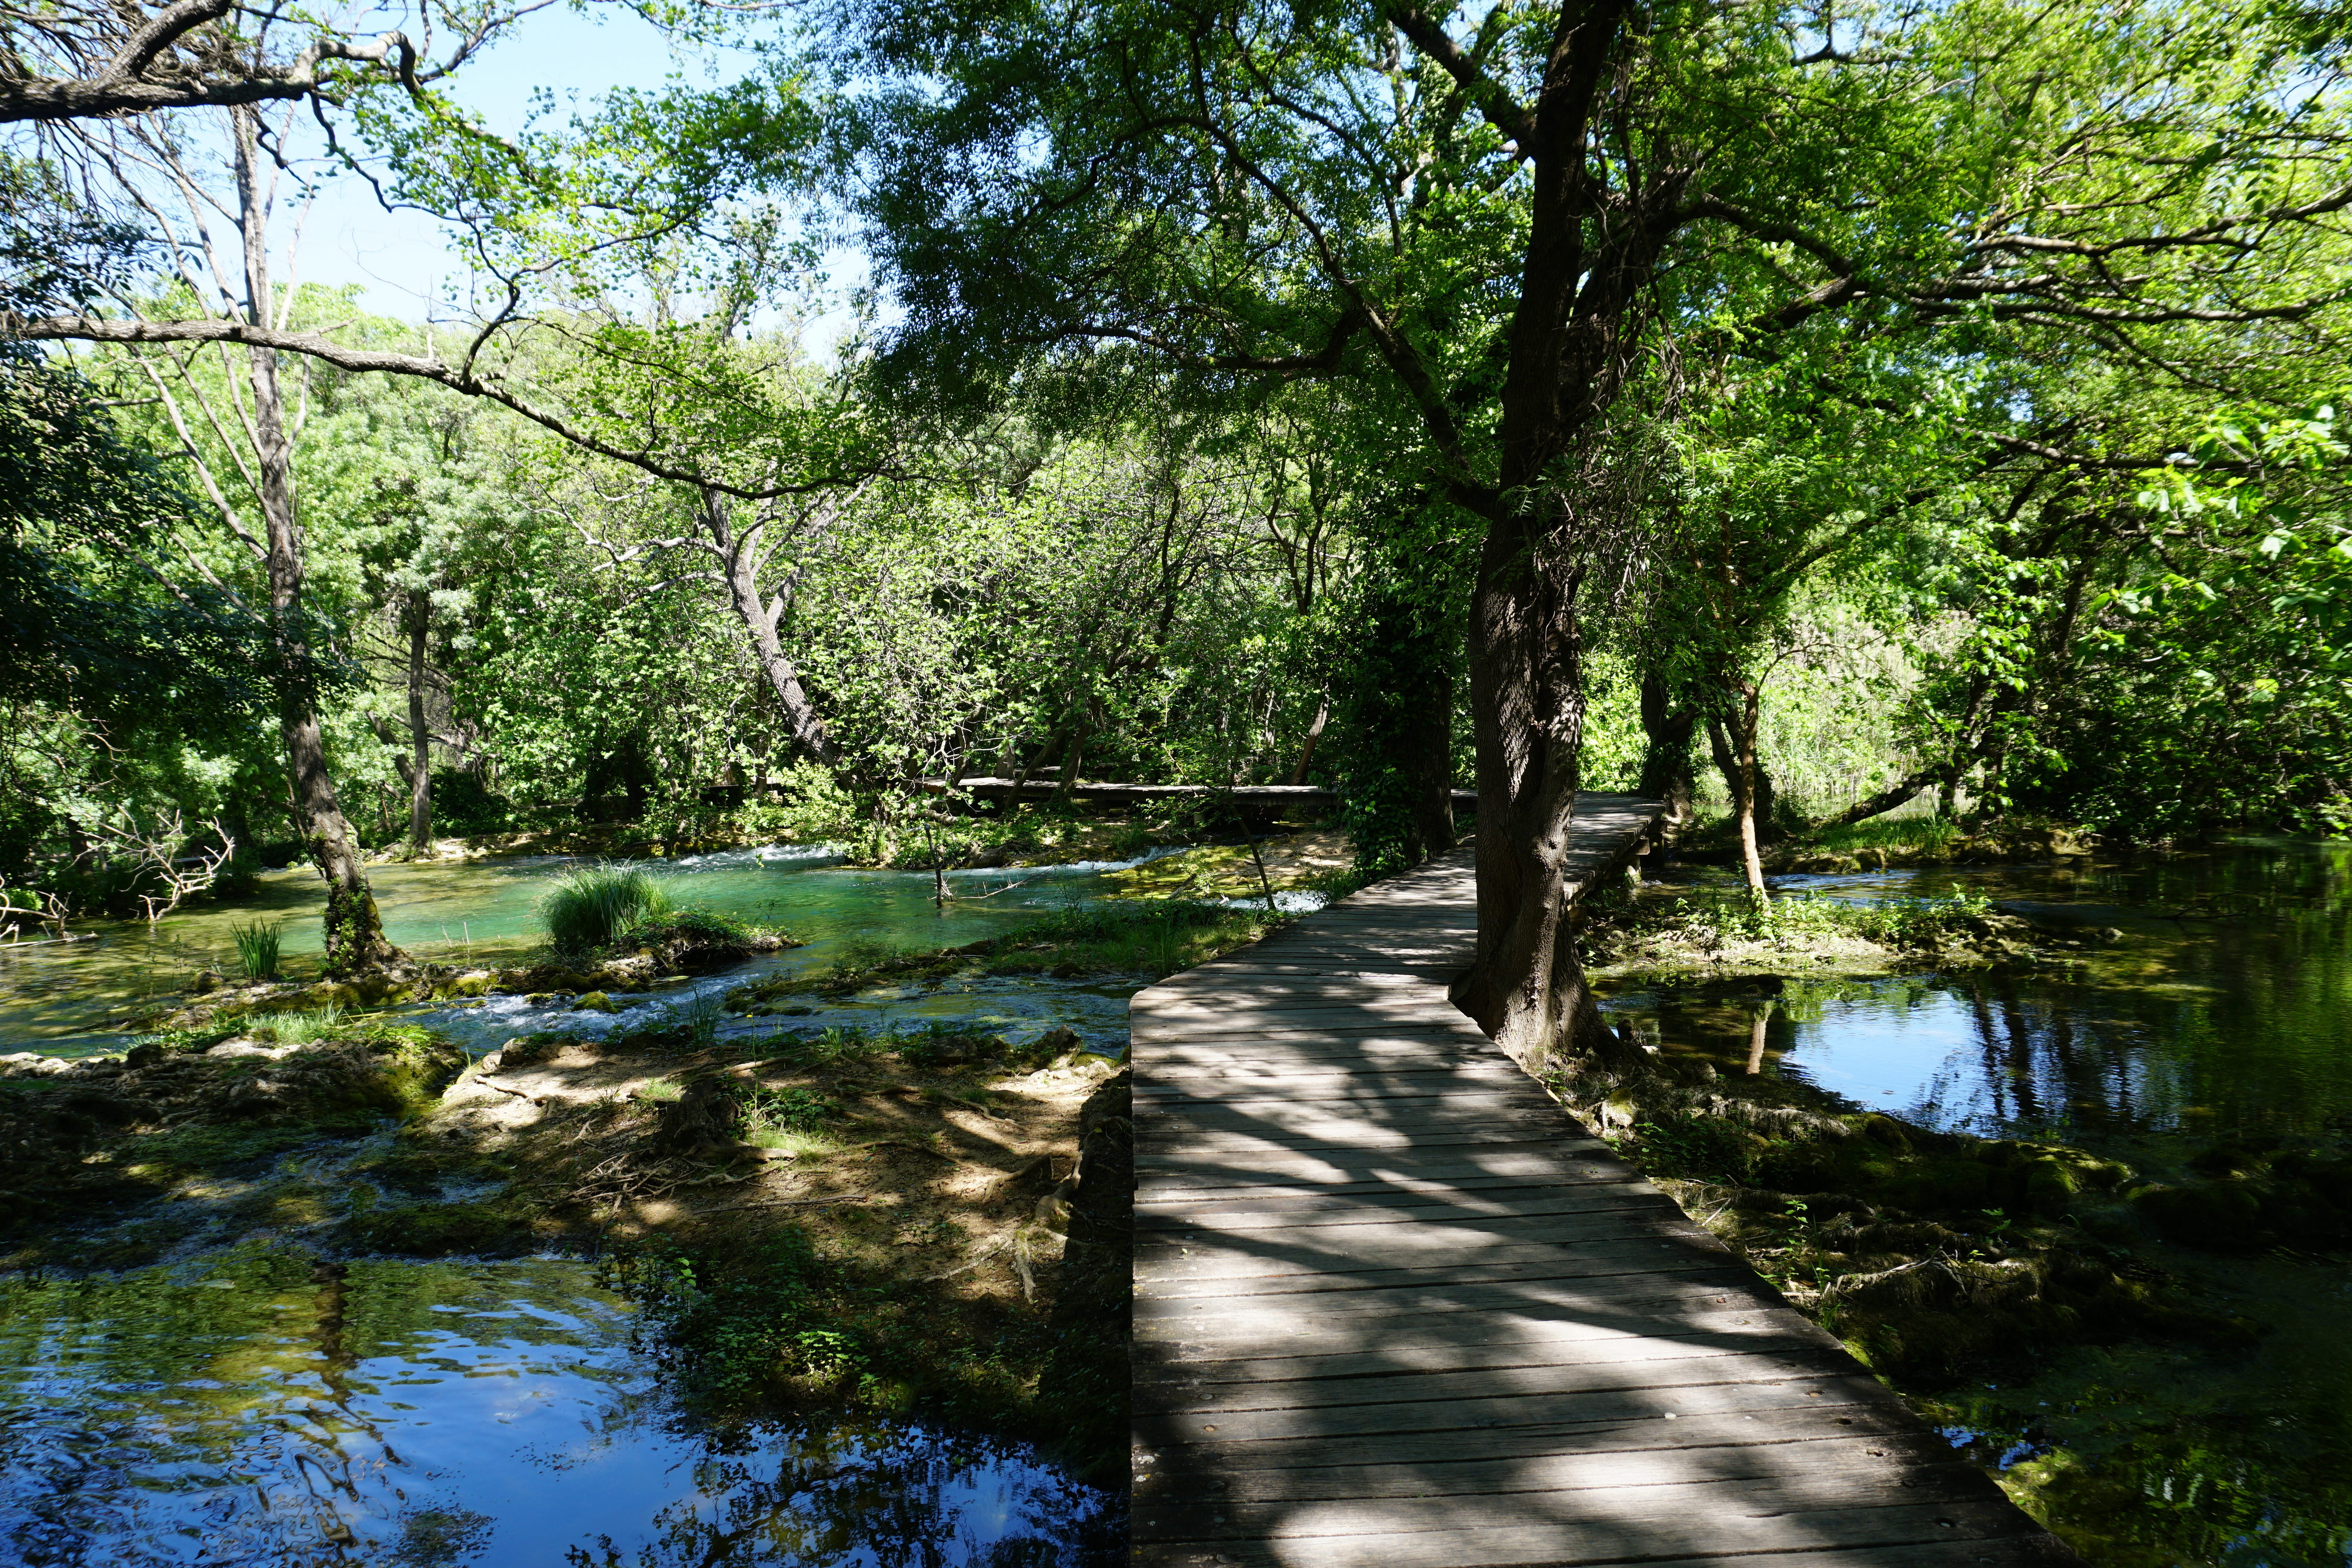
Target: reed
(258, 948)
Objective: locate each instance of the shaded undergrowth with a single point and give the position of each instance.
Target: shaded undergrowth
(1925, 1251)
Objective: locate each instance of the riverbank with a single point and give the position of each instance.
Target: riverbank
(2077, 1179)
(817, 1221)
(825, 1218)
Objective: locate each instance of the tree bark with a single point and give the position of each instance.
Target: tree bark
(355, 941)
(420, 774)
(1314, 735)
(1670, 724)
(1751, 858)
(760, 620)
(1527, 989)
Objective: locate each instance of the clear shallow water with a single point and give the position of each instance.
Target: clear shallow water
(2222, 1006)
(254, 1409)
(73, 999)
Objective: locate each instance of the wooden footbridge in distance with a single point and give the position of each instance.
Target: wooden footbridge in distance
(1393, 1308)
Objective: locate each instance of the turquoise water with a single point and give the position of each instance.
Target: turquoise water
(75, 999)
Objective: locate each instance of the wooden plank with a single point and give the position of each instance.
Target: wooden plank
(1274, 1206)
(1365, 1401)
(1405, 1313)
(1458, 1208)
(1762, 1396)
(2003, 1552)
(1637, 1525)
(1394, 1308)
(1642, 1261)
(1755, 1424)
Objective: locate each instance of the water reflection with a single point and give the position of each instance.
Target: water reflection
(2176, 1002)
(2200, 994)
(261, 1410)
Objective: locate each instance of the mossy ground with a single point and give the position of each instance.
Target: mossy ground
(824, 1221)
(1663, 929)
(1928, 1252)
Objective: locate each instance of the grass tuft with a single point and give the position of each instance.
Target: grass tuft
(592, 907)
(259, 947)
(1925, 834)
(302, 1027)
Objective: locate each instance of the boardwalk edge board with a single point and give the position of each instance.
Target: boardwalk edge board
(1394, 1309)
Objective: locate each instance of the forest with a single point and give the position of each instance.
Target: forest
(1900, 434)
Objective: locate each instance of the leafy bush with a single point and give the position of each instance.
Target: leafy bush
(592, 907)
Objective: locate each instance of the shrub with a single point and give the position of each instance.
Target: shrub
(591, 907)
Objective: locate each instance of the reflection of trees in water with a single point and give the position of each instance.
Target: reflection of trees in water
(2047, 1063)
(871, 1495)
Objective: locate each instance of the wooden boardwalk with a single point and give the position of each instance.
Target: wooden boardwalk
(1394, 1309)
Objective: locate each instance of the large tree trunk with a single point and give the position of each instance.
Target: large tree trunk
(420, 739)
(355, 937)
(1527, 989)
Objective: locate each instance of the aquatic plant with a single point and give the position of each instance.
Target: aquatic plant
(591, 907)
(258, 948)
(698, 1016)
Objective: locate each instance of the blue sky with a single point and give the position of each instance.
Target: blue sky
(403, 260)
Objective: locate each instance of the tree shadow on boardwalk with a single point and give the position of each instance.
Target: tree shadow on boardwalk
(1394, 1308)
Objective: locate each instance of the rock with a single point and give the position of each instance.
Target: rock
(492, 1063)
(594, 1002)
(242, 1048)
(205, 981)
(140, 1057)
(1063, 971)
(1055, 1041)
(472, 983)
(538, 998)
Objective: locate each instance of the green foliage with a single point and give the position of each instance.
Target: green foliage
(258, 948)
(591, 907)
(1718, 919)
(1926, 834)
(696, 927)
(794, 1119)
(302, 1027)
(699, 1018)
